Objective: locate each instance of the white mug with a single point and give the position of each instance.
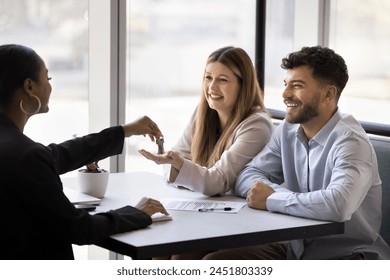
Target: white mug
(93, 183)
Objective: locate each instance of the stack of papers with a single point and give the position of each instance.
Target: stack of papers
(77, 197)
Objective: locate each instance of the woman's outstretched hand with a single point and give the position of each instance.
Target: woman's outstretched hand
(170, 157)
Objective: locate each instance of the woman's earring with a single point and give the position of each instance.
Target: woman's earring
(36, 111)
(21, 107)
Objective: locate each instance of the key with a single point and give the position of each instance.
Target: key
(160, 145)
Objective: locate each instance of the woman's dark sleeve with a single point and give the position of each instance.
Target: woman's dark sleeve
(105, 224)
(54, 215)
(75, 153)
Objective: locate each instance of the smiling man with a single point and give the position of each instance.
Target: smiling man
(319, 164)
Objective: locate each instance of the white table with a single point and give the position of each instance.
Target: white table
(196, 231)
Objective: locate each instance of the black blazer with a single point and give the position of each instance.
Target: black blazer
(37, 220)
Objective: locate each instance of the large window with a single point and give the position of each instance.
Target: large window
(359, 31)
(168, 44)
(61, 39)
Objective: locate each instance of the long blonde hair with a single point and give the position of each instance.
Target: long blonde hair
(209, 142)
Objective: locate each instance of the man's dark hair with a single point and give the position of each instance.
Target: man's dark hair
(326, 64)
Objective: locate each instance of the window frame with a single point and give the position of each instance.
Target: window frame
(107, 70)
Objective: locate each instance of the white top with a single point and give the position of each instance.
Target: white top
(248, 139)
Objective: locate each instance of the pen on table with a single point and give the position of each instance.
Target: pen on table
(217, 209)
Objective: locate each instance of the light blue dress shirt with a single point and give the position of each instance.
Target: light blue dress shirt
(333, 177)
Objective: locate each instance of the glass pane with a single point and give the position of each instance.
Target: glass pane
(168, 44)
(279, 42)
(360, 33)
(58, 32)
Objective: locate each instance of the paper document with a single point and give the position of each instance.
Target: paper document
(77, 197)
(202, 205)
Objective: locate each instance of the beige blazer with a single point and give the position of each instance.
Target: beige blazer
(248, 139)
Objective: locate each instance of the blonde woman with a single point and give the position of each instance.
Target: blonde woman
(228, 128)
